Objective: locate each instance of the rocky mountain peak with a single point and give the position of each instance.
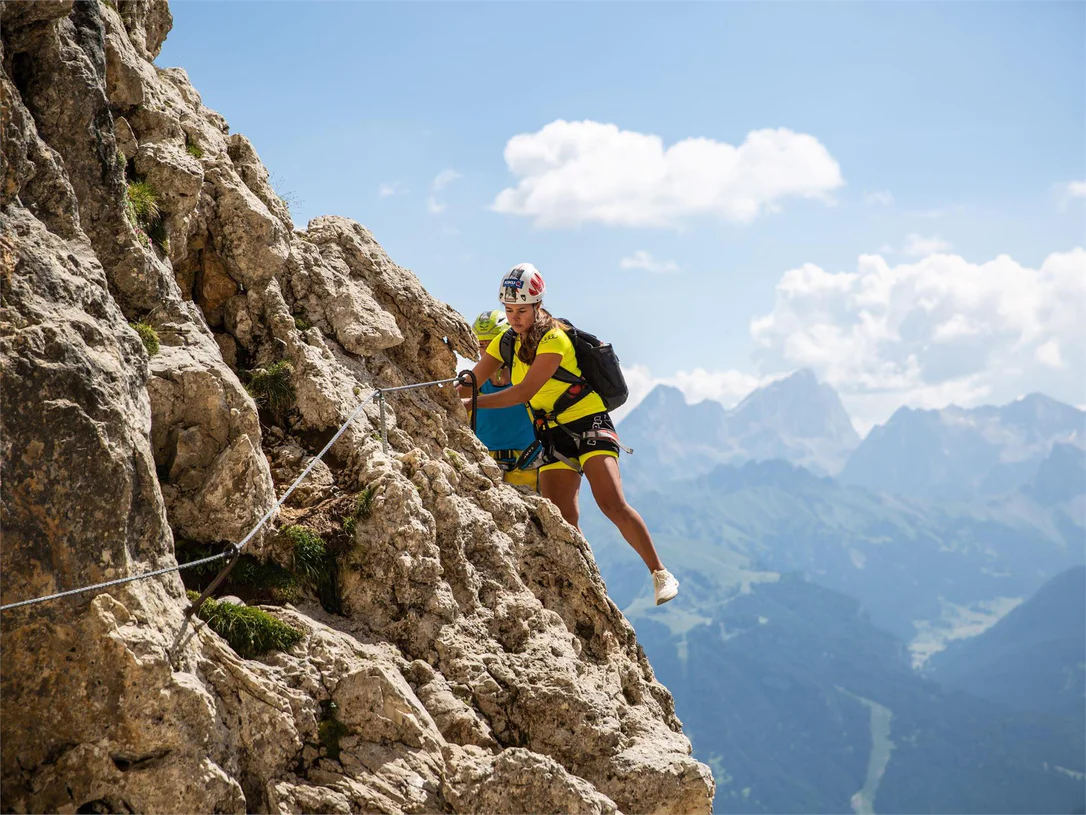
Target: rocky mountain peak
(801, 406)
(965, 451)
(796, 418)
(175, 353)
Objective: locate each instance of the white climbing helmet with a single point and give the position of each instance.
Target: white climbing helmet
(522, 284)
(489, 324)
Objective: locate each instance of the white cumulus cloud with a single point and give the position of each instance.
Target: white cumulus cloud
(441, 181)
(932, 332)
(918, 246)
(1049, 354)
(643, 260)
(445, 178)
(1072, 189)
(395, 188)
(577, 172)
(878, 198)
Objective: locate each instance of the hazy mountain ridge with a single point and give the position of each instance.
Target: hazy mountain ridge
(900, 557)
(795, 418)
(962, 452)
(1034, 658)
(813, 695)
(821, 705)
(952, 453)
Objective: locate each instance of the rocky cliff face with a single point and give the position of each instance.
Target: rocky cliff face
(477, 665)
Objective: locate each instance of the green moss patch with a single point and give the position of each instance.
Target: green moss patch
(252, 580)
(268, 579)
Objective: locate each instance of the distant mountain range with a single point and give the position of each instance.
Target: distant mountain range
(801, 698)
(958, 452)
(798, 696)
(907, 560)
(949, 453)
(796, 419)
(800, 705)
(1034, 658)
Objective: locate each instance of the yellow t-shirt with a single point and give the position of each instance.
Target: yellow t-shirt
(555, 341)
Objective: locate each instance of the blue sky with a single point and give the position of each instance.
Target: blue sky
(956, 130)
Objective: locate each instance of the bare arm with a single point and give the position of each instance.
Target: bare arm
(542, 369)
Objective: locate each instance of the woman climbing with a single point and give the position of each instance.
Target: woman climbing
(571, 422)
(506, 432)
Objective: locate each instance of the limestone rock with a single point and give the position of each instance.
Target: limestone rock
(207, 445)
(509, 781)
(425, 322)
(176, 177)
(340, 304)
(288, 460)
(147, 22)
(248, 166)
(478, 665)
(251, 241)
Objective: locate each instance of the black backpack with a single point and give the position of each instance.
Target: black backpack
(597, 360)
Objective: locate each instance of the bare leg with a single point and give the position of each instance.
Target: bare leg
(561, 488)
(603, 477)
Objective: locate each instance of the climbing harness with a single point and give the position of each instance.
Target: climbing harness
(234, 550)
(510, 460)
(544, 421)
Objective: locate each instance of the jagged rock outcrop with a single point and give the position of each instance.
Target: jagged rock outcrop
(477, 665)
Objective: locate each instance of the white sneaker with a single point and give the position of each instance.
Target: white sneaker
(664, 586)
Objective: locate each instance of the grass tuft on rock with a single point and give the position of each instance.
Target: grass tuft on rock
(141, 205)
(271, 387)
(363, 508)
(148, 335)
(363, 502)
(310, 553)
(316, 565)
(455, 459)
(159, 236)
(302, 324)
(194, 150)
(250, 631)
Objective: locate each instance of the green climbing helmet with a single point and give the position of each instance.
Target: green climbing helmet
(490, 324)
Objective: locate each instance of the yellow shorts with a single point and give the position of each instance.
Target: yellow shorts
(520, 478)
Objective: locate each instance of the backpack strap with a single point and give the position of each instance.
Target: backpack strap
(570, 396)
(578, 390)
(506, 346)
